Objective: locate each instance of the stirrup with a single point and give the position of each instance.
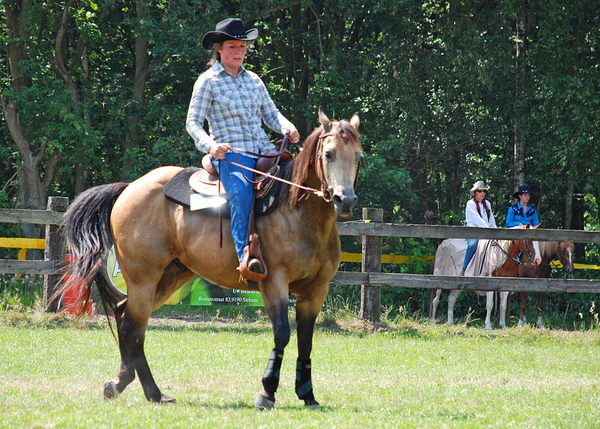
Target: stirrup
(253, 267)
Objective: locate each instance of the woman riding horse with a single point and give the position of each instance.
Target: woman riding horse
(235, 101)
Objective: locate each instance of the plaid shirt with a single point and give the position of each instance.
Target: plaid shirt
(234, 107)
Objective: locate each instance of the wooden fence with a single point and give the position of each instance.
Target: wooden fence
(371, 279)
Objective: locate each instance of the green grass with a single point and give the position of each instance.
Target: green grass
(404, 373)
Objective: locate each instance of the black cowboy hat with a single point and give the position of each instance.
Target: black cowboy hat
(522, 190)
(228, 29)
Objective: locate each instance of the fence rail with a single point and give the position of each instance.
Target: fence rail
(371, 279)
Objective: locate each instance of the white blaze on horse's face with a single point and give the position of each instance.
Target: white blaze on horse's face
(341, 156)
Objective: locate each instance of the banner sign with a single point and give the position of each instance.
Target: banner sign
(195, 292)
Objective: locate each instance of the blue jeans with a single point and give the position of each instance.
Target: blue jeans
(240, 193)
(471, 248)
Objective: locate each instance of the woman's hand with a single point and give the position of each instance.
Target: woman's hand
(219, 150)
(294, 135)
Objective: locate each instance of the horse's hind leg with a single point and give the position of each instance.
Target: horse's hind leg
(522, 308)
(114, 388)
(540, 307)
(434, 304)
(132, 333)
(452, 297)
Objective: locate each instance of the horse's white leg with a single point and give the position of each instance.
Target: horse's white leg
(523, 321)
(451, 301)
(434, 304)
(489, 305)
(540, 323)
(503, 301)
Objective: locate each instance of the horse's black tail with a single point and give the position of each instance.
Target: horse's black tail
(86, 227)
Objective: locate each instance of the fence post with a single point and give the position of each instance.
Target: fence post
(56, 251)
(370, 296)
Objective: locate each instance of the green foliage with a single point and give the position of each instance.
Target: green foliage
(20, 293)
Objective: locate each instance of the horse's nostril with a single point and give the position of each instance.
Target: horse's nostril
(337, 199)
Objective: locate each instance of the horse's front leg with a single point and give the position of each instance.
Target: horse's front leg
(503, 303)
(276, 299)
(489, 306)
(307, 309)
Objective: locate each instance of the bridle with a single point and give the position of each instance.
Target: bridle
(325, 189)
(517, 260)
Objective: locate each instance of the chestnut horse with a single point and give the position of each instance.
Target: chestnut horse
(550, 251)
(161, 245)
(510, 252)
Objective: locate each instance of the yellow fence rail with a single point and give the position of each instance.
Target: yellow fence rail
(23, 244)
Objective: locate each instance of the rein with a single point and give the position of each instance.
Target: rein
(324, 192)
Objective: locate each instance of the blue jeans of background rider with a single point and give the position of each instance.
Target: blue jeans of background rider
(471, 248)
(240, 193)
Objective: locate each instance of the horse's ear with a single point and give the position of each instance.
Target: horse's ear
(355, 121)
(537, 226)
(324, 120)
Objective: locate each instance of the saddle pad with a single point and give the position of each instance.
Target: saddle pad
(178, 191)
(450, 256)
(488, 258)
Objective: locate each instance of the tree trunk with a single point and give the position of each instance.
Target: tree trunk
(569, 201)
(142, 69)
(519, 150)
(16, 14)
(32, 193)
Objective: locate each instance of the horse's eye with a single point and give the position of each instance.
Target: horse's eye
(330, 155)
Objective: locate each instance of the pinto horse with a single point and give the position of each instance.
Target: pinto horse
(550, 251)
(161, 245)
(510, 254)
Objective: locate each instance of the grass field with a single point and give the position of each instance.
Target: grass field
(407, 374)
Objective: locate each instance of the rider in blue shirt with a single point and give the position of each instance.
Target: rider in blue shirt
(522, 212)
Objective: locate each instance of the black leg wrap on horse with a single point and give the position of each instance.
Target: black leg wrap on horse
(270, 379)
(304, 388)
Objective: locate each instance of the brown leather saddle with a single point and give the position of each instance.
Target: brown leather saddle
(205, 183)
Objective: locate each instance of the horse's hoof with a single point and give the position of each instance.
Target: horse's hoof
(164, 399)
(311, 403)
(264, 400)
(110, 390)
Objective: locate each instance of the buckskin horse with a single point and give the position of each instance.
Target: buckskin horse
(550, 251)
(161, 245)
(507, 252)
